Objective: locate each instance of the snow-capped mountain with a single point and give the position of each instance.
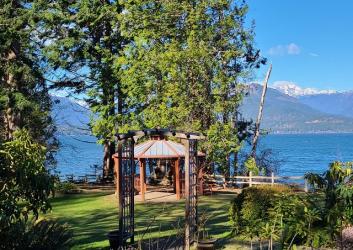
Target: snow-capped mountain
(292, 89)
(301, 114)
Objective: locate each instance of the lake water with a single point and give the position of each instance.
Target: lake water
(298, 154)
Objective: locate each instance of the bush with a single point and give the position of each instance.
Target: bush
(36, 235)
(66, 187)
(277, 213)
(25, 184)
(252, 206)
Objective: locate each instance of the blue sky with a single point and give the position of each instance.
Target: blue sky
(309, 42)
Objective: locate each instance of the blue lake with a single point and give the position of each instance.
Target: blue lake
(298, 154)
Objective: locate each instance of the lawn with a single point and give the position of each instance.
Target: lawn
(92, 215)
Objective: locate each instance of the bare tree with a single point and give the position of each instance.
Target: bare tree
(259, 117)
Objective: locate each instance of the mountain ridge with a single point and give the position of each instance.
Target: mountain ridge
(292, 89)
(288, 114)
(282, 113)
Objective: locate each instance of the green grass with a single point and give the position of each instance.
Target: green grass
(92, 215)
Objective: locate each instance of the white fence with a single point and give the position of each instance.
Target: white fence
(261, 180)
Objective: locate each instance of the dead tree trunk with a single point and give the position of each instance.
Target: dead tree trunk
(259, 117)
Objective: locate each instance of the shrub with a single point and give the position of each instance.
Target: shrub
(250, 166)
(25, 183)
(336, 186)
(277, 213)
(36, 235)
(66, 187)
(252, 206)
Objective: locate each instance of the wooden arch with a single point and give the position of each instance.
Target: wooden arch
(125, 171)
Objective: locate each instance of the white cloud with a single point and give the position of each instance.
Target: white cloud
(313, 54)
(293, 49)
(288, 49)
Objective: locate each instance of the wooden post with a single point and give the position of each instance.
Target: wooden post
(172, 164)
(116, 175)
(177, 179)
(259, 116)
(250, 179)
(187, 196)
(120, 188)
(272, 179)
(200, 179)
(142, 179)
(144, 175)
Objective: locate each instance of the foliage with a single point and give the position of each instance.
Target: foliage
(65, 187)
(36, 235)
(84, 47)
(278, 214)
(221, 142)
(186, 65)
(250, 166)
(336, 185)
(266, 162)
(25, 183)
(24, 97)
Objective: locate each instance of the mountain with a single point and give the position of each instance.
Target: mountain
(336, 104)
(70, 116)
(292, 89)
(326, 101)
(287, 114)
(282, 113)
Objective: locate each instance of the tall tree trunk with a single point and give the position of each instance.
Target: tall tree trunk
(11, 118)
(259, 117)
(109, 145)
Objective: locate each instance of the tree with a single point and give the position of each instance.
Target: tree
(188, 60)
(24, 98)
(84, 46)
(222, 141)
(25, 183)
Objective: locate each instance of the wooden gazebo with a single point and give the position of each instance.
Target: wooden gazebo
(160, 148)
(124, 168)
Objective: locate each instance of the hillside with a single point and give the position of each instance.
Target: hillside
(286, 114)
(69, 116)
(282, 113)
(336, 104)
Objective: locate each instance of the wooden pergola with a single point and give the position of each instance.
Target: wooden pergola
(125, 171)
(159, 148)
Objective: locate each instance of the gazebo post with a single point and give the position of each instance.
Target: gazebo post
(144, 175)
(142, 178)
(174, 178)
(116, 174)
(177, 179)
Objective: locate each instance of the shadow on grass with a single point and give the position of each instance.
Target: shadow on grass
(91, 216)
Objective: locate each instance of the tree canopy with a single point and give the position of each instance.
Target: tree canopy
(138, 64)
(24, 98)
(187, 62)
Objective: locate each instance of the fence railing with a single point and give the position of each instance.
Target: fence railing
(87, 178)
(251, 180)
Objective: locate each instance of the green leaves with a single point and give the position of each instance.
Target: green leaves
(336, 186)
(276, 213)
(185, 64)
(221, 142)
(25, 183)
(251, 166)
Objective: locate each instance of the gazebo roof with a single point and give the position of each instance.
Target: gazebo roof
(162, 148)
